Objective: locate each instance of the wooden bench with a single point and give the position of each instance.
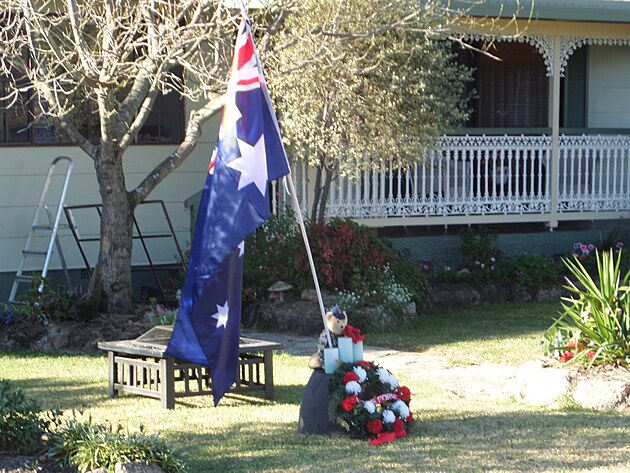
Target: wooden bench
(140, 366)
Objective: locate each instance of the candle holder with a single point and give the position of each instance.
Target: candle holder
(331, 360)
(345, 349)
(357, 351)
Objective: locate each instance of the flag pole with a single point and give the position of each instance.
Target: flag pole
(298, 211)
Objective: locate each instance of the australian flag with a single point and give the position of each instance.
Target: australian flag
(234, 202)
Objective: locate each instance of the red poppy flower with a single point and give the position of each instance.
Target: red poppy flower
(349, 403)
(590, 355)
(350, 376)
(566, 356)
(404, 393)
(366, 364)
(375, 426)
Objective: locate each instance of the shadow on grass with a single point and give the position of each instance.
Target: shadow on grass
(521, 441)
(493, 321)
(64, 393)
(83, 393)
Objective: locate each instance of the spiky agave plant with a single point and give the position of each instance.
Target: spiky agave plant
(594, 325)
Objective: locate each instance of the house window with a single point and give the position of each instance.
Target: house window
(511, 84)
(14, 115)
(573, 88)
(165, 123)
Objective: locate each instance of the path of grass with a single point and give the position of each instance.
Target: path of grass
(452, 434)
(498, 333)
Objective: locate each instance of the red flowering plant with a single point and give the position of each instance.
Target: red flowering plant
(367, 401)
(343, 250)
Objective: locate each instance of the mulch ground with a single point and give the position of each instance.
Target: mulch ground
(28, 464)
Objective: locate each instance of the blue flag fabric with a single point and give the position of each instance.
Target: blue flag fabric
(234, 202)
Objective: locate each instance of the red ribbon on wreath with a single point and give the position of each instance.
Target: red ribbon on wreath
(381, 398)
(383, 437)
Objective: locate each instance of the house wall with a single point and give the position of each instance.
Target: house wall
(608, 87)
(22, 176)
(445, 245)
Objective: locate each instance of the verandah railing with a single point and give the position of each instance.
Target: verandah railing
(491, 175)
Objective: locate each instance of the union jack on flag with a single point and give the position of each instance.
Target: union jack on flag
(234, 202)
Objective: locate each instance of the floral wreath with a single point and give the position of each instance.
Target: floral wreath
(366, 400)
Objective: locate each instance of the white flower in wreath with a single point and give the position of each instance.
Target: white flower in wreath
(388, 416)
(393, 381)
(352, 387)
(383, 375)
(370, 407)
(401, 408)
(360, 372)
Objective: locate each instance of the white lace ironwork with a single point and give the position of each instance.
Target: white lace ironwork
(543, 43)
(491, 175)
(569, 44)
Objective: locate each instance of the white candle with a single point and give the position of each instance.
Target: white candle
(357, 352)
(345, 349)
(331, 360)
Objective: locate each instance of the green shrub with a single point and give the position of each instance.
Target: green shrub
(86, 446)
(34, 304)
(479, 247)
(21, 422)
(408, 273)
(270, 255)
(594, 327)
(533, 271)
(161, 314)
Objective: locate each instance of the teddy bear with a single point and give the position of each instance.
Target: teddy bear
(336, 322)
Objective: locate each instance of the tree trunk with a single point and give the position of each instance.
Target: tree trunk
(110, 289)
(323, 198)
(317, 192)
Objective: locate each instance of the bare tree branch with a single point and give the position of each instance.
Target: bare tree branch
(193, 132)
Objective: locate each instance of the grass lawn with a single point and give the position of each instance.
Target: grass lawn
(451, 433)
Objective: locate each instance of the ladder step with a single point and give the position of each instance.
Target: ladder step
(62, 226)
(33, 253)
(24, 278)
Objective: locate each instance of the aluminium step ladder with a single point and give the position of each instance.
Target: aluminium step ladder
(44, 222)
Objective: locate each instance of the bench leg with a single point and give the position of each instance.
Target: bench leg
(268, 362)
(112, 376)
(167, 391)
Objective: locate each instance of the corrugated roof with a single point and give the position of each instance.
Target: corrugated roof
(609, 11)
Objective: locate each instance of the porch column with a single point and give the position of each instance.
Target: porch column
(554, 174)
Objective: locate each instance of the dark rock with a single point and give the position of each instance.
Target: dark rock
(550, 294)
(72, 335)
(492, 293)
(137, 467)
(453, 296)
(314, 418)
(299, 317)
(369, 317)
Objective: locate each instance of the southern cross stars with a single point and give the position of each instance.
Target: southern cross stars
(222, 314)
(252, 164)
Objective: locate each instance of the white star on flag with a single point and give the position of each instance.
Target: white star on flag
(252, 164)
(222, 314)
